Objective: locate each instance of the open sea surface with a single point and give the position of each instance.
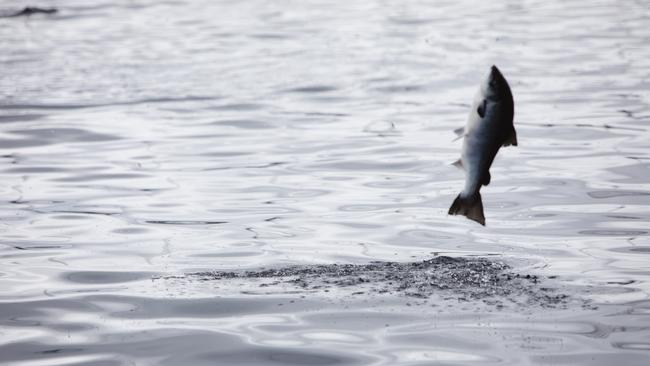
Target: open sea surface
(213, 182)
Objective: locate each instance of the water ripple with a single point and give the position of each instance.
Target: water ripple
(155, 139)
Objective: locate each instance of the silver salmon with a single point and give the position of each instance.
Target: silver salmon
(489, 126)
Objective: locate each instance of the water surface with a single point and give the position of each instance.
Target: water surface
(145, 141)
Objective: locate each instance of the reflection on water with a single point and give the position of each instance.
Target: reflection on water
(143, 140)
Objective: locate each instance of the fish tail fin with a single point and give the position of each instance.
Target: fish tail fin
(471, 207)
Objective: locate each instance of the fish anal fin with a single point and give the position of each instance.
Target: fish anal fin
(458, 164)
(470, 207)
(511, 139)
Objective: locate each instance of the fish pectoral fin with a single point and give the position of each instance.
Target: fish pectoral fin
(486, 179)
(511, 139)
(481, 108)
(460, 132)
(458, 164)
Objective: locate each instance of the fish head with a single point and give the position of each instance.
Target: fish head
(495, 86)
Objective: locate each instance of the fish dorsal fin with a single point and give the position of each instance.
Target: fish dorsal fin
(486, 179)
(481, 108)
(511, 139)
(458, 164)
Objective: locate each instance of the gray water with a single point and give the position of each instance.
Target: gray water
(144, 143)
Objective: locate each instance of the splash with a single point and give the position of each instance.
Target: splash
(463, 279)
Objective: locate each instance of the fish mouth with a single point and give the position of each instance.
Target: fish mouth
(495, 76)
(495, 72)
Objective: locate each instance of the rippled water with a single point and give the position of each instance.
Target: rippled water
(141, 141)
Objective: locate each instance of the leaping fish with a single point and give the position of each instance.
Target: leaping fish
(489, 126)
